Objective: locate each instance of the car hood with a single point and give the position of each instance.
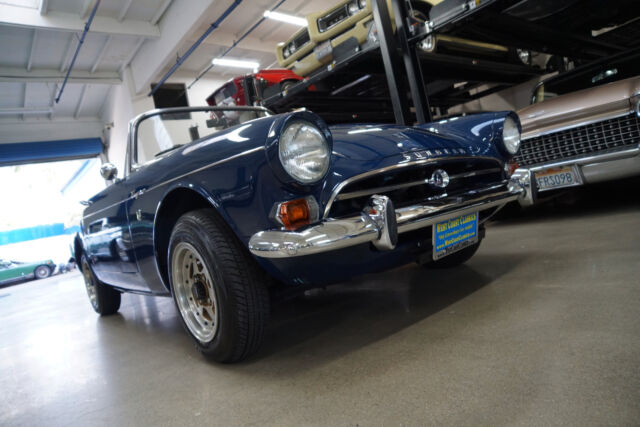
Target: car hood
(370, 143)
(362, 148)
(572, 109)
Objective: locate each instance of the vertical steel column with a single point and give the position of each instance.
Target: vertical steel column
(391, 60)
(411, 63)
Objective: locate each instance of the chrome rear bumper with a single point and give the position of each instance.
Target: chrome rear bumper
(379, 223)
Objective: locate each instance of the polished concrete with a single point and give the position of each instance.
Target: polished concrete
(541, 327)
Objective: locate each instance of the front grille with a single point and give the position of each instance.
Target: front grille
(408, 185)
(607, 135)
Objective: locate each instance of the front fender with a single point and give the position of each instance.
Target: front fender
(481, 130)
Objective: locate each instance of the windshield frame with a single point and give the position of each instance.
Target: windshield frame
(131, 156)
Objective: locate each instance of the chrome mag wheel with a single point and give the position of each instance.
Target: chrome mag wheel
(194, 292)
(90, 284)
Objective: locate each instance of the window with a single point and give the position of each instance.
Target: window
(171, 95)
(160, 134)
(227, 91)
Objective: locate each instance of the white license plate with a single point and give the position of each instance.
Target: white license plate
(549, 179)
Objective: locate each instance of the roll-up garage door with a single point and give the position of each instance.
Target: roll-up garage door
(49, 151)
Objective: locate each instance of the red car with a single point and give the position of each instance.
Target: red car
(256, 86)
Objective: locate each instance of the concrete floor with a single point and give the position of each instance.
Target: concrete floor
(540, 327)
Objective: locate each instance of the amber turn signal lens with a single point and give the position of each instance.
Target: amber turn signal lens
(294, 214)
(512, 167)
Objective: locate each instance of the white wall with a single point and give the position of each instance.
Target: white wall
(124, 105)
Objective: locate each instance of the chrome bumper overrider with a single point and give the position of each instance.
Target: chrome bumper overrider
(593, 168)
(379, 223)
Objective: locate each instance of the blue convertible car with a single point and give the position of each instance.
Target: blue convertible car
(219, 206)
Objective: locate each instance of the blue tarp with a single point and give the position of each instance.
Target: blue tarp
(37, 232)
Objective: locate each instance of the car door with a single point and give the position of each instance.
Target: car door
(108, 242)
(5, 274)
(22, 269)
(141, 209)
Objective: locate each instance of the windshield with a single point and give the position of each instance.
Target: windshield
(161, 133)
(587, 77)
(226, 91)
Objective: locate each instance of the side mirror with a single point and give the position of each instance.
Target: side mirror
(108, 171)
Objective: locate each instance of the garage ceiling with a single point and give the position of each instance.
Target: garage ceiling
(259, 45)
(39, 38)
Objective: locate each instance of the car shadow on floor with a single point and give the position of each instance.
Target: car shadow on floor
(330, 323)
(323, 324)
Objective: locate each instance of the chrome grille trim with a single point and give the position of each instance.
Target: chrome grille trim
(405, 164)
(370, 191)
(601, 136)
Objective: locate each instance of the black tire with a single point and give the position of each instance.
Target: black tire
(239, 285)
(287, 84)
(42, 272)
(456, 258)
(107, 299)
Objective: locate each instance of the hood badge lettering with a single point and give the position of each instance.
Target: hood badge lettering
(427, 154)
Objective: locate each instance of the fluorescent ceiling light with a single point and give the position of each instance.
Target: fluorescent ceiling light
(283, 17)
(237, 63)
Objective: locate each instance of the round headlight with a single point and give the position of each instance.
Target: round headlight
(362, 3)
(304, 152)
(511, 136)
(524, 55)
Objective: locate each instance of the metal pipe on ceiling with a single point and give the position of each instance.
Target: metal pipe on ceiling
(75, 55)
(195, 45)
(235, 43)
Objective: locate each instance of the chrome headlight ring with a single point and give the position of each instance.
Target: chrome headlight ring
(510, 136)
(299, 149)
(304, 152)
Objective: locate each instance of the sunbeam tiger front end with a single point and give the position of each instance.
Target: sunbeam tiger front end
(204, 188)
(374, 197)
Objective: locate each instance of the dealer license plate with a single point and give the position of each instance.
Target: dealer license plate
(549, 179)
(454, 234)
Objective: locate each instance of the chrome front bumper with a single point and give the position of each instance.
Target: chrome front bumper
(592, 169)
(379, 223)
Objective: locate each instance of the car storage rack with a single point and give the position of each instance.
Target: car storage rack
(352, 87)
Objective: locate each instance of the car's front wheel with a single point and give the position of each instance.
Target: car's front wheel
(103, 298)
(217, 287)
(42, 272)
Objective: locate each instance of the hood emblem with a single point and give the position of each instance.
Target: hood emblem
(439, 178)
